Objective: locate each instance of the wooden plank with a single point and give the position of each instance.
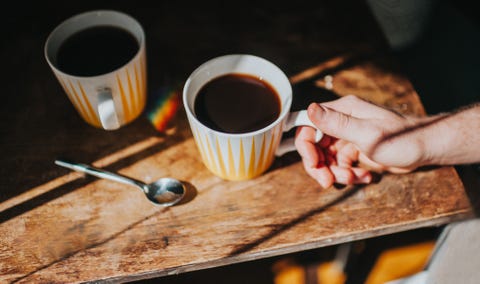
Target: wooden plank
(104, 230)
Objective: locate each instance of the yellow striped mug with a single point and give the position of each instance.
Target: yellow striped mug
(242, 156)
(114, 97)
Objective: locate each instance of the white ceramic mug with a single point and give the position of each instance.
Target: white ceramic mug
(245, 155)
(107, 100)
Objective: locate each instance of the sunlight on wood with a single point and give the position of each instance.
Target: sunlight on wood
(315, 70)
(55, 183)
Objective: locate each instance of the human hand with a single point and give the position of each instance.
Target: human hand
(358, 137)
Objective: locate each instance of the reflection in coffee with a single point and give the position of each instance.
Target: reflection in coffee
(96, 51)
(237, 103)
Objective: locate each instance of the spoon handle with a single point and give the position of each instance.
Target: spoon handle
(98, 172)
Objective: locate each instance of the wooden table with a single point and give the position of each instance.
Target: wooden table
(60, 226)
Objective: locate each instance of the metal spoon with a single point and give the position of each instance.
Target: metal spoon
(165, 191)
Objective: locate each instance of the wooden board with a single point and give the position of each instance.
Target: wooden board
(104, 230)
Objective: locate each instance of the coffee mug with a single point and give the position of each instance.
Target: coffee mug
(99, 58)
(241, 156)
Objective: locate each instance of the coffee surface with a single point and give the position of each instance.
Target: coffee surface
(237, 103)
(96, 51)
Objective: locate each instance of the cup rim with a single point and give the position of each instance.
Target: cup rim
(286, 105)
(85, 14)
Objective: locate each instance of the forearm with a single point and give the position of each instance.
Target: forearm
(453, 138)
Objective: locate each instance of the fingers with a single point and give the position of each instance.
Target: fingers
(305, 144)
(338, 124)
(346, 156)
(354, 106)
(324, 165)
(321, 174)
(313, 157)
(351, 176)
(362, 176)
(329, 160)
(327, 175)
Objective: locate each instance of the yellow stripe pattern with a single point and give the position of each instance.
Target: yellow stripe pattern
(143, 82)
(95, 121)
(237, 158)
(133, 102)
(138, 87)
(80, 101)
(132, 91)
(128, 89)
(123, 97)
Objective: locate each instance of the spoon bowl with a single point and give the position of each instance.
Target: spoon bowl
(163, 192)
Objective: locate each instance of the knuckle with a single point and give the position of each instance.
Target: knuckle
(351, 98)
(342, 121)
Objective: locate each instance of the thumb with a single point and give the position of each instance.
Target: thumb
(336, 124)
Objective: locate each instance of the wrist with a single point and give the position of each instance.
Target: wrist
(427, 141)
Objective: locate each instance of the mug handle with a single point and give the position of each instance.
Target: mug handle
(106, 110)
(296, 118)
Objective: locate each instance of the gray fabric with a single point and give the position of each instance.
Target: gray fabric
(418, 278)
(456, 257)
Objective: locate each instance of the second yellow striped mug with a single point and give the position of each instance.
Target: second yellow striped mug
(114, 97)
(242, 156)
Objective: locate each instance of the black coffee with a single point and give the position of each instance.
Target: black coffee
(97, 50)
(237, 103)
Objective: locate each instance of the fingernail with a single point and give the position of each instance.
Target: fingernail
(325, 184)
(366, 178)
(313, 109)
